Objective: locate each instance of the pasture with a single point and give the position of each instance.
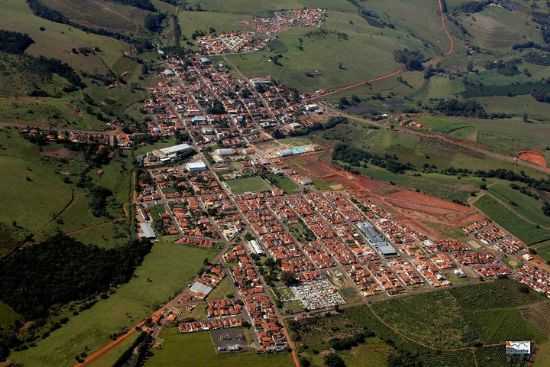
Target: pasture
(107, 15)
(165, 271)
(57, 40)
(507, 218)
(508, 136)
(345, 49)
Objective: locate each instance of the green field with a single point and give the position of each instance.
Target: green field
(105, 15)
(507, 136)
(343, 50)
(57, 40)
(264, 7)
(165, 271)
(248, 184)
(60, 204)
(30, 188)
(284, 183)
(110, 358)
(505, 217)
(526, 206)
(197, 350)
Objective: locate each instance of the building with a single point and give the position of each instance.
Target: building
(170, 154)
(376, 239)
(197, 166)
(518, 348)
(255, 247)
(147, 231)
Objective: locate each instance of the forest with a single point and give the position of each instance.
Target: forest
(61, 269)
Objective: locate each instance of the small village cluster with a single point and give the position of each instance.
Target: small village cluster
(264, 30)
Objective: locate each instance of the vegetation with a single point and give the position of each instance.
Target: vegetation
(197, 349)
(14, 42)
(413, 60)
(163, 273)
(61, 269)
(248, 184)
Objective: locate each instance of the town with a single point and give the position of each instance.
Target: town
(289, 255)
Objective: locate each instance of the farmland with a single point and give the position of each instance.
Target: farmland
(428, 326)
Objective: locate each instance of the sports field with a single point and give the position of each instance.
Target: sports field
(248, 184)
(165, 271)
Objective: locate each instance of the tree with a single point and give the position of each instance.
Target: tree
(334, 360)
(289, 279)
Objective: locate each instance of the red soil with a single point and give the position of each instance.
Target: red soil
(533, 156)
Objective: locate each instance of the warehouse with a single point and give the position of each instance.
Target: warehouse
(376, 239)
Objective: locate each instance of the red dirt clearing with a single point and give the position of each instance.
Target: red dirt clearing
(417, 208)
(533, 156)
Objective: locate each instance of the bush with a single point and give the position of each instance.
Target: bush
(14, 42)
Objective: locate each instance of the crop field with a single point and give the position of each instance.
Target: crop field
(57, 40)
(506, 217)
(346, 48)
(517, 106)
(165, 271)
(440, 325)
(197, 349)
(248, 184)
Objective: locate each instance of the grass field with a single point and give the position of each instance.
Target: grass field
(264, 7)
(497, 28)
(163, 143)
(197, 350)
(110, 358)
(7, 316)
(284, 183)
(58, 204)
(526, 206)
(507, 136)
(102, 14)
(248, 184)
(527, 232)
(23, 173)
(165, 271)
(349, 50)
(57, 40)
